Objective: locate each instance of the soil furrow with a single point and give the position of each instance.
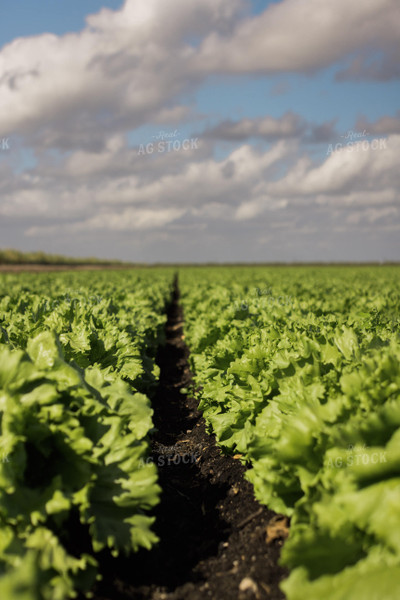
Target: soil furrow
(213, 533)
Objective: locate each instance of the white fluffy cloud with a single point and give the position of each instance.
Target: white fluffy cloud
(364, 165)
(120, 71)
(241, 188)
(304, 35)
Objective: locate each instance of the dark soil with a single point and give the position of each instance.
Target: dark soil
(216, 540)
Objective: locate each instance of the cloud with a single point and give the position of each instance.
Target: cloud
(130, 219)
(324, 132)
(267, 128)
(253, 208)
(384, 68)
(353, 177)
(361, 166)
(373, 215)
(306, 35)
(290, 125)
(80, 88)
(87, 191)
(248, 187)
(384, 126)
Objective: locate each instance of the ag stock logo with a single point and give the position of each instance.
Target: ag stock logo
(354, 141)
(166, 141)
(4, 144)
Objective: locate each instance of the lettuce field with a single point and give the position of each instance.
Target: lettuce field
(118, 481)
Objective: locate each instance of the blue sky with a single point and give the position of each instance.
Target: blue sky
(266, 88)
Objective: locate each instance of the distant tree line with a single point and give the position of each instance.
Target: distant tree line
(9, 256)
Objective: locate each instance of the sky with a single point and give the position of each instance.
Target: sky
(202, 130)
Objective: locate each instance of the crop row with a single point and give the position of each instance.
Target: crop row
(76, 377)
(308, 392)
